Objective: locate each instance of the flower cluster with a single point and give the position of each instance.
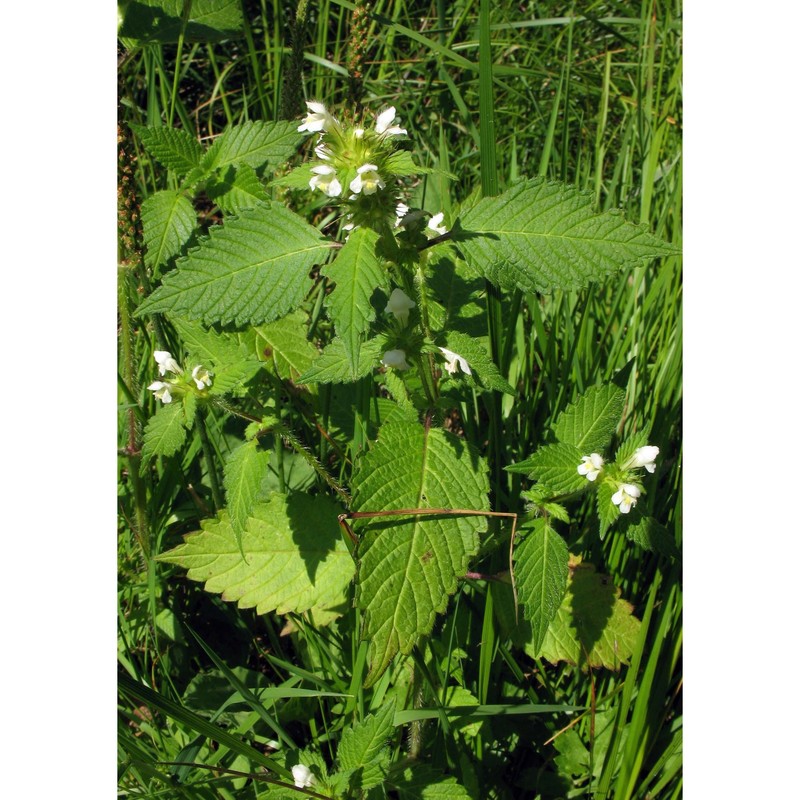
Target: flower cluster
(626, 494)
(164, 390)
(351, 157)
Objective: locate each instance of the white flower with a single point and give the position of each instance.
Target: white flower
(454, 361)
(383, 124)
(358, 133)
(626, 496)
(591, 466)
(435, 223)
(400, 212)
(302, 776)
(325, 178)
(399, 304)
(322, 152)
(367, 180)
(201, 376)
(395, 359)
(318, 119)
(161, 391)
(643, 457)
(166, 362)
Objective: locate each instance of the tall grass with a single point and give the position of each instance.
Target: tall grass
(589, 94)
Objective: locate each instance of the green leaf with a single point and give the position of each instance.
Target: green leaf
(556, 466)
(401, 163)
(173, 148)
(363, 748)
(542, 235)
(357, 273)
(168, 220)
(161, 20)
(484, 370)
(254, 143)
(252, 269)
(221, 353)
(651, 535)
(333, 364)
(590, 422)
(541, 569)
(283, 344)
(409, 566)
(421, 782)
(593, 627)
(237, 190)
(244, 470)
(631, 445)
(295, 556)
(165, 432)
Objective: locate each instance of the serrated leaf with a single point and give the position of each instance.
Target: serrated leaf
(298, 178)
(234, 190)
(165, 432)
(252, 269)
(651, 535)
(333, 364)
(631, 445)
(173, 148)
(422, 782)
(363, 748)
(541, 235)
(168, 221)
(221, 353)
(284, 344)
(409, 566)
(357, 273)
(401, 163)
(296, 558)
(540, 571)
(161, 20)
(254, 143)
(590, 422)
(593, 626)
(244, 470)
(484, 370)
(556, 466)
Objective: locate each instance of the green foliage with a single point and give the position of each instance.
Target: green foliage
(284, 317)
(484, 370)
(173, 148)
(555, 466)
(168, 221)
(253, 269)
(363, 749)
(232, 366)
(244, 471)
(165, 431)
(357, 273)
(162, 20)
(294, 558)
(283, 344)
(333, 364)
(408, 569)
(593, 626)
(255, 144)
(541, 570)
(590, 422)
(540, 235)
